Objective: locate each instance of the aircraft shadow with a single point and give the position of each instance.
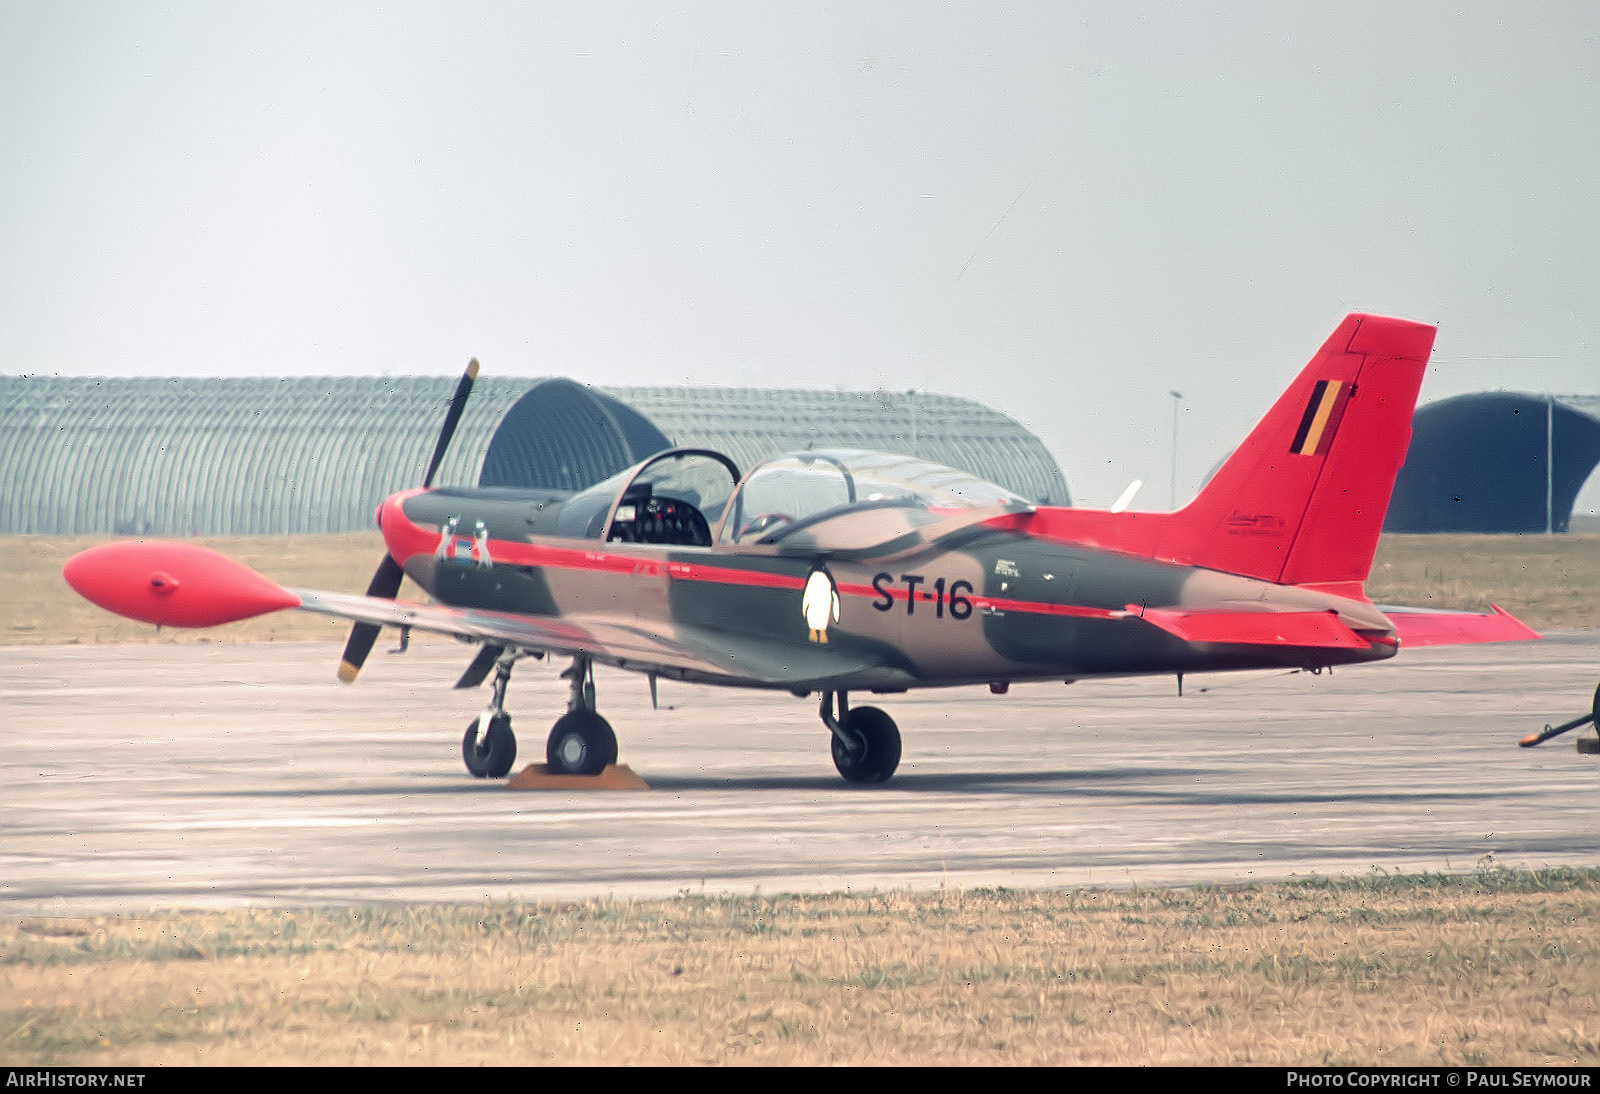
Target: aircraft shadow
(1142, 784)
(1007, 782)
(1041, 782)
(1130, 784)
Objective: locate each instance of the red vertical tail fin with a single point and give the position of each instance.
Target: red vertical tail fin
(1302, 500)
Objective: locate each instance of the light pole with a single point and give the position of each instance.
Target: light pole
(1177, 398)
(1549, 464)
(911, 397)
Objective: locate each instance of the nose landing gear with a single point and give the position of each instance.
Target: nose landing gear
(489, 755)
(490, 748)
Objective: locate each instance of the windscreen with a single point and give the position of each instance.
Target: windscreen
(800, 486)
(699, 479)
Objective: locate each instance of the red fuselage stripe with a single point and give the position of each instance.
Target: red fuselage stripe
(409, 540)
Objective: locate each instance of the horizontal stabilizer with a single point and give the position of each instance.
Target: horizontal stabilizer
(1318, 630)
(1431, 627)
(173, 584)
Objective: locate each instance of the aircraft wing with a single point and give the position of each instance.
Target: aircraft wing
(186, 585)
(688, 651)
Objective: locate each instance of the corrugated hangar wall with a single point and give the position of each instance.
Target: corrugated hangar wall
(750, 424)
(224, 457)
(308, 454)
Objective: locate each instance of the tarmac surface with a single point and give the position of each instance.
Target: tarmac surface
(135, 777)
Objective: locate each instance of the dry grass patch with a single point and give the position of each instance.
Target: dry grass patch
(1498, 967)
(1548, 581)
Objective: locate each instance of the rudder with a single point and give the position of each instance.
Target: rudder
(1302, 500)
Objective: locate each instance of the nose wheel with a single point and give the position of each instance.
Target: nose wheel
(490, 748)
(489, 755)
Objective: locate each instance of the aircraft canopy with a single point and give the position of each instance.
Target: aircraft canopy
(799, 489)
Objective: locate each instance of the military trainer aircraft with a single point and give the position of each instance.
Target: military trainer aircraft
(837, 571)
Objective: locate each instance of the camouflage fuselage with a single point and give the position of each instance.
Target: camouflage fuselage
(981, 604)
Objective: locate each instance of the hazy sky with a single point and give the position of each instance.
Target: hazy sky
(1063, 210)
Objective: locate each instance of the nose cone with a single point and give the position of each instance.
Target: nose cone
(402, 536)
(173, 584)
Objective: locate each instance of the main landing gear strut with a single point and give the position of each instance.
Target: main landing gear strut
(581, 742)
(866, 742)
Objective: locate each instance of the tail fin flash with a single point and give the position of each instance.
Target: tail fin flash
(1302, 500)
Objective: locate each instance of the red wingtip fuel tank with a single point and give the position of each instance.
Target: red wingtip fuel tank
(173, 584)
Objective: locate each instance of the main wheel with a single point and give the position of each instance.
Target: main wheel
(581, 743)
(489, 755)
(877, 746)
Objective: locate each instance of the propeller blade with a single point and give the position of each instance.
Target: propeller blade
(386, 584)
(458, 403)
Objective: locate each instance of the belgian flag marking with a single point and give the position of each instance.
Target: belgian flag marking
(1320, 420)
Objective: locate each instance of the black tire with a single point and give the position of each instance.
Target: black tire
(878, 747)
(581, 743)
(490, 755)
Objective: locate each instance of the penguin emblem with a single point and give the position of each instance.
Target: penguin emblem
(820, 603)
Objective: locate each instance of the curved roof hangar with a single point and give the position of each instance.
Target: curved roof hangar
(301, 455)
(1496, 462)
